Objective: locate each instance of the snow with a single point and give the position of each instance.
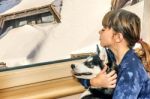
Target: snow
(20, 44)
(80, 23)
(77, 32)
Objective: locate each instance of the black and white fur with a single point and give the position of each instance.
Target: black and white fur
(89, 69)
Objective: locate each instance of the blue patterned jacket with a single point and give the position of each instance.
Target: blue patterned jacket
(133, 81)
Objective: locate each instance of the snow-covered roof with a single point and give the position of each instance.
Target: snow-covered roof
(28, 4)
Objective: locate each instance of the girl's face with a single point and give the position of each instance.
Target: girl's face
(107, 37)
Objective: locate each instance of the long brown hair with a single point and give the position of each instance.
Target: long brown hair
(144, 54)
(129, 25)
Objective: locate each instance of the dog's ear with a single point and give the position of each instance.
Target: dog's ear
(98, 61)
(111, 60)
(97, 50)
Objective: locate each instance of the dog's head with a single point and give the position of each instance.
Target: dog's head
(89, 68)
(93, 64)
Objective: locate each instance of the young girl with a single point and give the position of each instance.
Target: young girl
(121, 31)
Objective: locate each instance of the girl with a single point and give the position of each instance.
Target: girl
(121, 30)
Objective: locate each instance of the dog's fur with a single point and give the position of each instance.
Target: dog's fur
(89, 69)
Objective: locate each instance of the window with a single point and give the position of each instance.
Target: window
(47, 17)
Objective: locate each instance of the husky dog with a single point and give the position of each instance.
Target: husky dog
(89, 69)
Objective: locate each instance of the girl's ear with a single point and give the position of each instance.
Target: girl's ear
(119, 37)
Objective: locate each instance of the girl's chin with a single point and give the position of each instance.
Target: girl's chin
(103, 45)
